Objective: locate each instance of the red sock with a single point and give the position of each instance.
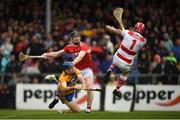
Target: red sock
(120, 83)
(89, 107)
(111, 66)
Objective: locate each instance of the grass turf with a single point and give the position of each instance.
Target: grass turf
(42, 114)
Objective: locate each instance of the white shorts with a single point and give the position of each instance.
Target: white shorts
(121, 64)
(87, 72)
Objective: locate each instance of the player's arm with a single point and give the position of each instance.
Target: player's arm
(64, 88)
(53, 54)
(114, 30)
(62, 84)
(79, 57)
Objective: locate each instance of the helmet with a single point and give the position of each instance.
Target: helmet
(139, 27)
(67, 65)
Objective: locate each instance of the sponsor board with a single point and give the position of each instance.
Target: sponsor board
(148, 98)
(122, 104)
(157, 98)
(38, 96)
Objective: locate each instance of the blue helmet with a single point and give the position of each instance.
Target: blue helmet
(67, 65)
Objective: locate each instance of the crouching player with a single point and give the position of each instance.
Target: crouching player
(66, 85)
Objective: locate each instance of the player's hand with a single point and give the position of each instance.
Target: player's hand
(80, 87)
(84, 87)
(45, 55)
(109, 27)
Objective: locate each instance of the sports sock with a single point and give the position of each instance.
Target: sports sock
(56, 97)
(111, 66)
(120, 83)
(89, 107)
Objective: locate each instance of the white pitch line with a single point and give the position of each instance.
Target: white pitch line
(8, 116)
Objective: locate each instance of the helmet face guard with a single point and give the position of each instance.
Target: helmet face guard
(139, 27)
(67, 65)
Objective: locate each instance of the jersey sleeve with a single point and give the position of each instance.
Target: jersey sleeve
(77, 71)
(84, 47)
(123, 32)
(144, 44)
(62, 78)
(66, 48)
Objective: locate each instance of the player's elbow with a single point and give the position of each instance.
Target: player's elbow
(63, 89)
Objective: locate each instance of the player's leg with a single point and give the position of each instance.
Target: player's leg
(56, 99)
(121, 81)
(124, 68)
(89, 80)
(68, 100)
(89, 83)
(54, 102)
(73, 107)
(108, 72)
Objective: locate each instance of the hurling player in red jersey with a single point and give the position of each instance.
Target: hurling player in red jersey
(82, 60)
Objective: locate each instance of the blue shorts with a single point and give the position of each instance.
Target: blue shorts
(66, 98)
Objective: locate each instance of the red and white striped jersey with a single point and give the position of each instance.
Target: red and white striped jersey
(130, 46)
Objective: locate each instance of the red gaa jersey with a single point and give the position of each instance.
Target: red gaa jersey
(74, 50)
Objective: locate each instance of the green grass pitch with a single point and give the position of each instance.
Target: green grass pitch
(45, 114)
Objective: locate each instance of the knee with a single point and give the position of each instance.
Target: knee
(89, 82)
(89, 85)
(90, 92)
(78, 110)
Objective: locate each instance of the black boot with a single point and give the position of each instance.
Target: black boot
(53, 103)
(107, 75)
(117, 93)
(108, 72)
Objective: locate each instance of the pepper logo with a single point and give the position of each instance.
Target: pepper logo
(170, 102)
